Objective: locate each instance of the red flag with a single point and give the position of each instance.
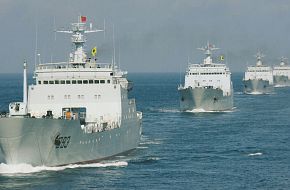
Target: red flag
(83, 19)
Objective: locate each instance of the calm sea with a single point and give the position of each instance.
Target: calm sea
(246, 148)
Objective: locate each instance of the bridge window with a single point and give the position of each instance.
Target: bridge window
(85, 81)
(91, 81)
(39, 82)
(51, 82)
(108, 81)
(56, 82)
(97, 81)
(45, 82)
(97, 96)
(50, 97)
(73, 81)
(102, 81)
(67, 81)
(62, 82)
(80, 82)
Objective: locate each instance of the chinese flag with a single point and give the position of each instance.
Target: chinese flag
(83, 19)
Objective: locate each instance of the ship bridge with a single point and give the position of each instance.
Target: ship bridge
(62, 73)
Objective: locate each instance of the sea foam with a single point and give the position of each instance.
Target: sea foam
(27, 168)
(200, 110)
(256, 154)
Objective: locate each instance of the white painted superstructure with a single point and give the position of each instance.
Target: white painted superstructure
(283, 69)
(81, 87)
(259, 71)
(209, 74)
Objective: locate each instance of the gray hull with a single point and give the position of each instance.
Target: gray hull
(258, 86)
(53, 142)
(281, 81)
(207, 99)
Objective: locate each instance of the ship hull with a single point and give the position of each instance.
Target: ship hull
(54, 142)
(281, 80)
(257, 86)
(207, 99)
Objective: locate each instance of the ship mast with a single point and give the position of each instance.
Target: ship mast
(283, 61)
(25, 83)
(208, 52)
(78, 31)
(259, 57)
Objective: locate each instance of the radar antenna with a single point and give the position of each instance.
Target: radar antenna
(78, 39)
(208, 52)
(208, 49)
(259, 57)
(284, 61)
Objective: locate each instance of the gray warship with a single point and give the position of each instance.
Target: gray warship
(259, 78)
(207, 86)
(77, 111)
(281, 74)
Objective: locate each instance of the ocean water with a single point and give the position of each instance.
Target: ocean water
(245, 148)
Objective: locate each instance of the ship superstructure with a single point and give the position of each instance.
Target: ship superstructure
(259, 78)
(281, 73)
(77, 111)
(207, 86)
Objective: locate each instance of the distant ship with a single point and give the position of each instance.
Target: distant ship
(281, 73)
(259, 78)
(207, 86)
(77, 111)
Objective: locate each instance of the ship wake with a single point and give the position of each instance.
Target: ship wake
(27, 168)
(281, 86)
(200, 110)
(168, 110)
(260, 93)
(254, 93)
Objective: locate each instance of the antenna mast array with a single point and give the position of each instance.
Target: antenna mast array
(78, 57)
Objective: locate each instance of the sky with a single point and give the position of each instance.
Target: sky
(150, 35)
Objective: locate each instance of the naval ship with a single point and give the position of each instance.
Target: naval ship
(77, 111)
(259, 78)
(281, 73)
(207, 86)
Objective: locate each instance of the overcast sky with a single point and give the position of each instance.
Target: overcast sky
(152, 35)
